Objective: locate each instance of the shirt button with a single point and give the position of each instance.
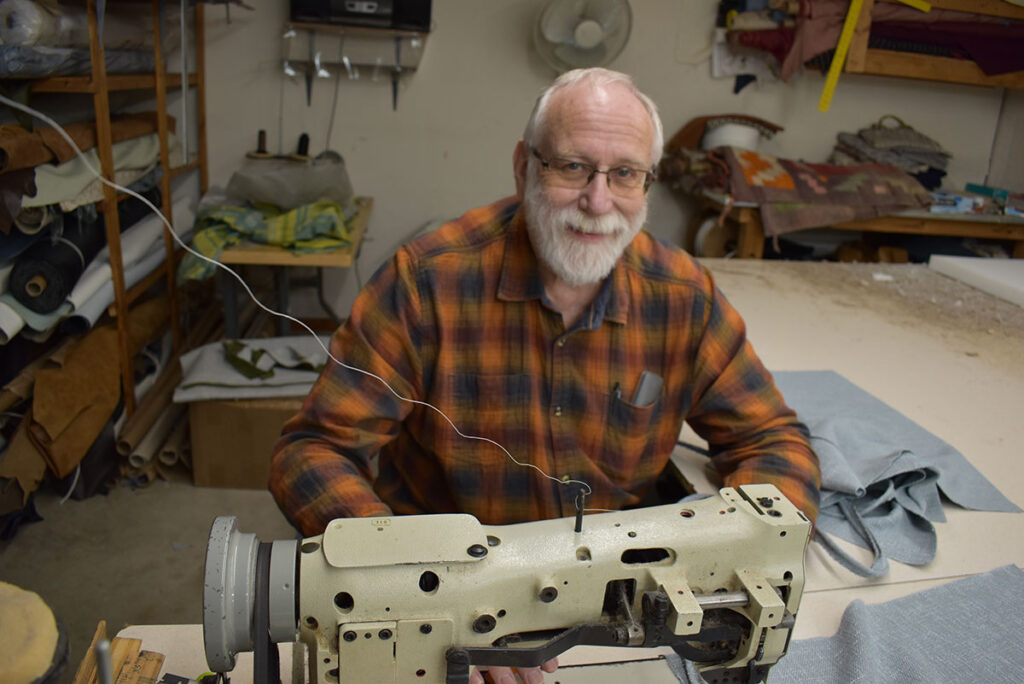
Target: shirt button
(561, 342)
(558, 410)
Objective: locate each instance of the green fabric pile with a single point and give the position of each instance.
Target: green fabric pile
(315, 227)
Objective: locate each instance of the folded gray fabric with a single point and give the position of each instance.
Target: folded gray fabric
(881, 472)
(208, 374)
(964, 631)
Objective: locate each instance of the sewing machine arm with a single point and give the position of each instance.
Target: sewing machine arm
(424, 598)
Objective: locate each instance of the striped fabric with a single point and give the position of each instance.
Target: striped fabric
(458, 318)
(314, 227)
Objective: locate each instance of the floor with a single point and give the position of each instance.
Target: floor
(136, 556)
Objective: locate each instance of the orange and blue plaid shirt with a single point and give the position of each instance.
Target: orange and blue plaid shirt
(459, 319)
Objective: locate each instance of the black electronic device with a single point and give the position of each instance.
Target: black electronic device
(411, 15)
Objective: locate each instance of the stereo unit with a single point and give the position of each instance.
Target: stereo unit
(412, 15)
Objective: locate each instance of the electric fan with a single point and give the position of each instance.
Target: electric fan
(572, 34)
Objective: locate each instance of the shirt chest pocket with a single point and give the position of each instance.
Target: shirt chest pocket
(627, 452)
(492, 406)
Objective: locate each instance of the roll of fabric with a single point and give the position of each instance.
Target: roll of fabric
(24, 22)
(44, 275)
(86, 315)
(10, 323)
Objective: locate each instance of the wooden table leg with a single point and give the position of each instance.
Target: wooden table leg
(751, 237)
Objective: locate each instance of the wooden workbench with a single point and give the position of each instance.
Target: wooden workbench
(943, 354)
(750, 243)
(280, 259)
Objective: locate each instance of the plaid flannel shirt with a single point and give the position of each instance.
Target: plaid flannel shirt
(459, 319)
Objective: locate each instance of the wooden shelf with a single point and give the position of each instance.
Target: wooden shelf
(865, 60)
(86, 84)
(362, 31)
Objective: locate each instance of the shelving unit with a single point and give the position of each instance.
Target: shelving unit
(99, 84)
(865, 60)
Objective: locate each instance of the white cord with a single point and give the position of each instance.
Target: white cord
(74, 483)
(261, 305)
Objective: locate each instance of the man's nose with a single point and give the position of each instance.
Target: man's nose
(596, 197)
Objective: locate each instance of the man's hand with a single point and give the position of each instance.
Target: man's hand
(507, 675)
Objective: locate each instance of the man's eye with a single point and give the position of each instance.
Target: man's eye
(624, 172)
(572, 167)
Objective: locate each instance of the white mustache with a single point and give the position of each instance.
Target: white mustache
(607, 224)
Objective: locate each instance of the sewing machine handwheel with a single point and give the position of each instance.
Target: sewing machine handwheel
(228, 593)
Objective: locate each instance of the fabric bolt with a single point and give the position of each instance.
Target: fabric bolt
(820, 23)
(36, 321)
(45, 274)
(294, 362)
(881, 472)
(312, 227)
(995, 48)
(31, 220)
(17, 242)
(84, 316)
(58, 183)
(35, 61)
(458, 318)
(11, 322)
(131, 177)
(21, 148)
(964, 631)
(142, 240)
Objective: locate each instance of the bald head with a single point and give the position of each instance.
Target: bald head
(594, 88)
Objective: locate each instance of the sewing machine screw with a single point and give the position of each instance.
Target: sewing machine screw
(426, 629)
(774, 513)
(484, 624)
(384, 634)
(477, 551)
(548, 594)
(349, 636)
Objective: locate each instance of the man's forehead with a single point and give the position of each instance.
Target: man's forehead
(601, 110)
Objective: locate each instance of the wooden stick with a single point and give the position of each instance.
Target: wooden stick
(150, 408)
(87, 668)
(123, 650)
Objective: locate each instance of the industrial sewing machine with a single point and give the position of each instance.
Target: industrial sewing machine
(425, 598)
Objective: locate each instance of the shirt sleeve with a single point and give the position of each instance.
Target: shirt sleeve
(323, 464)
(753, 436)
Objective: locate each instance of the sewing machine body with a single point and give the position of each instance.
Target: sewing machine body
(420, 598)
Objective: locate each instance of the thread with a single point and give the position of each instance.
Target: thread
(245, 286)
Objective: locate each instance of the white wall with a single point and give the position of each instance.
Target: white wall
(449, 145)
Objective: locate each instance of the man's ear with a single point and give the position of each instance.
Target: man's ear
(520, 159)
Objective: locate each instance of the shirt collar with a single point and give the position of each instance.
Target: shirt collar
(520, 277)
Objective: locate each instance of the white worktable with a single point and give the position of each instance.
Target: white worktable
(958, 376)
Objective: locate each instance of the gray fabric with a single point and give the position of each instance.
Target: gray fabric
(964, 631)
(881, 472)
(289, 185)
(206, 373)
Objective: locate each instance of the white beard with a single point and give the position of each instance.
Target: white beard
(575, 261)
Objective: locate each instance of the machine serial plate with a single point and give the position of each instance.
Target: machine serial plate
(401, 540)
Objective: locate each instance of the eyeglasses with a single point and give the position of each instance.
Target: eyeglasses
(622, 180)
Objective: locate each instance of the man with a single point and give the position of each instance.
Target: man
(530, 323)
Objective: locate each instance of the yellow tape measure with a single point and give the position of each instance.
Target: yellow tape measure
(843, 47)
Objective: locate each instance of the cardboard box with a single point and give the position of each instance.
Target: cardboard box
(232, 439)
